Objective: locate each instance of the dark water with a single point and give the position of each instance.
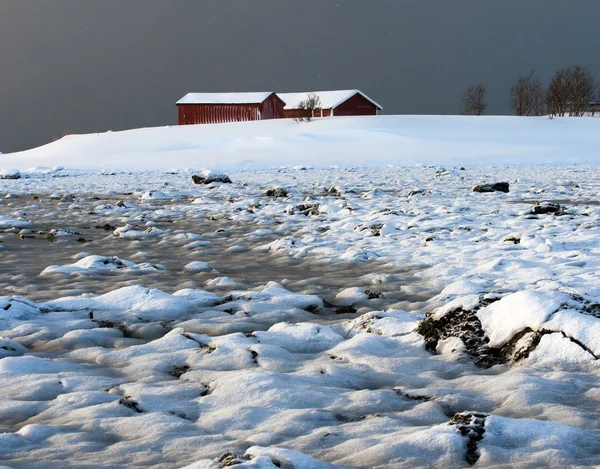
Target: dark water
(22, 260)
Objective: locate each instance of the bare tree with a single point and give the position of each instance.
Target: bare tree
(570, 92)
(557, 93)
(474, 101)
(527, 96)
(582, 88)
(308, 106)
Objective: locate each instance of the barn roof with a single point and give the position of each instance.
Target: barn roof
(225, 98)
(329, 99)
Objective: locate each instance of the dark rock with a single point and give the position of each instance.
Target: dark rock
(110, 324)
(495, 187)
(472, 426)
(412, 397)
(179, 370)
(414, 192)
(209, 178)
(230, 459)
(546, 207)
(277, 192)
(305, 209)
(130, 404)
(10, 174)
(373, 295)
(345, 310)
(466, 326)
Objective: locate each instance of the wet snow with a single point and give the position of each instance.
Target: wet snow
(147, 321)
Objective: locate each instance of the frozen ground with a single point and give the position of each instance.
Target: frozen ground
(375, 317)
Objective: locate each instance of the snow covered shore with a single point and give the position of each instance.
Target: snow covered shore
(372, 316)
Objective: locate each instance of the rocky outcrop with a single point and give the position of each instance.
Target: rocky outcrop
(493, 187)
(209, 176)
(277, 192)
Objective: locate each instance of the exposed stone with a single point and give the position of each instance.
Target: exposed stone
(494, 187)
(304, 209)
(472, 426)
(179, 370)
(546, 207)
(208, 177)
(10, 174)
(130, 404)
(277, 192)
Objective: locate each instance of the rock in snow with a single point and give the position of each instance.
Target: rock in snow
(495, 187)
(10, 174)
(208, 176)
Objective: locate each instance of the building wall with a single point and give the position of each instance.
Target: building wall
(295, 113)
(217, 113)
(272, 108)
(357, 105)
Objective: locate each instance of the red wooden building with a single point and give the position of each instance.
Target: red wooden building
(216, 108)
(333, 103)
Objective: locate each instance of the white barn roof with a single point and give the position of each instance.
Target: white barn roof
(329, 99)
(225, 98)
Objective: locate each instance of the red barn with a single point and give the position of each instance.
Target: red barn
(333, 103)
(216, 108)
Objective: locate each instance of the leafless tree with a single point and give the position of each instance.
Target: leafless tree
(557, 93)
(473, 103)
(527, 96)
(308, 106)
(570, 92)
(583, 89)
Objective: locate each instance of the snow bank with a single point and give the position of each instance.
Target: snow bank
(344, 141)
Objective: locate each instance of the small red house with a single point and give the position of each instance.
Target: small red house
(333, 103)
(216, 108)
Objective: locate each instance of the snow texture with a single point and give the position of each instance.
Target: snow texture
(381, 315)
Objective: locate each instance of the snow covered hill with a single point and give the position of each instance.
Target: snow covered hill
(343, 141)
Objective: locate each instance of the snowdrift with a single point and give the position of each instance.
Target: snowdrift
(344, 141)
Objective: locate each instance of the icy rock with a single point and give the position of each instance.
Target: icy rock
(351, 296)
(101, 264)
(277, 192)
(513, 313)
(389, 323)
(154, 195)
(558, 348)
(284, 244)
(61, 233)
(140, 299)
(16, 307)
(199, 298)
(494, 187)
(472, 426)
(222, 282)
(10, 348)
(10, 174)
(452, 346)
(546, 207)
(304, 209)
(209, 176)
(197, 266)
(128, 232)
